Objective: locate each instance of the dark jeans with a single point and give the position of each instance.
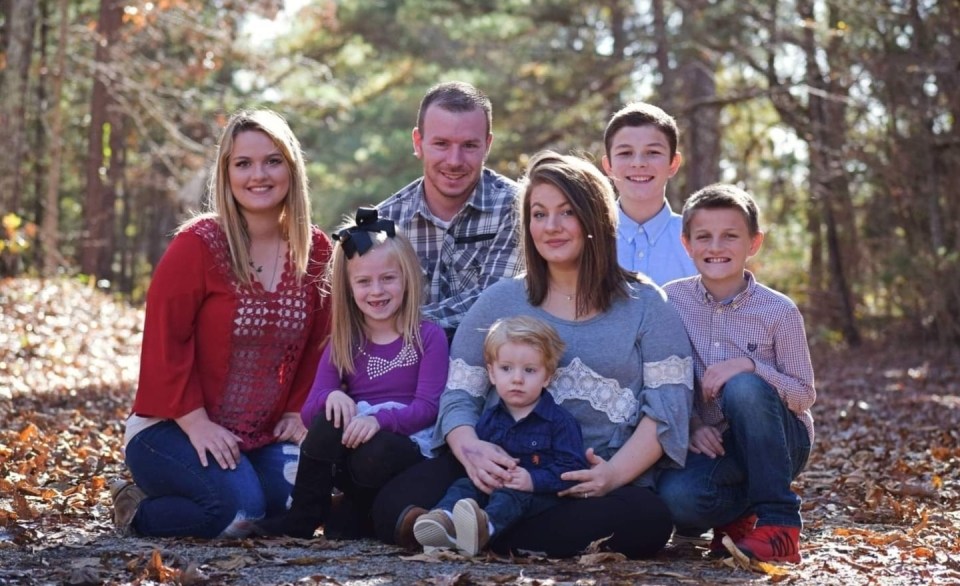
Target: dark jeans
(636, 520)
(505, 506)
(766, 448)
(186, 499)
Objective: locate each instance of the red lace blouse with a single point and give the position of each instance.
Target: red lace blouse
(245, 354)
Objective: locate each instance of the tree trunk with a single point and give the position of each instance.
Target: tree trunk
(98, 218)
(829, 184)
(50, 228)
(702, 135)
(19, 35)
(39, 146)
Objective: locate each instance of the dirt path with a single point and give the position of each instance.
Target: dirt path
(881, 502)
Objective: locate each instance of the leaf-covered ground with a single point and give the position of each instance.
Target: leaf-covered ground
(880, 492)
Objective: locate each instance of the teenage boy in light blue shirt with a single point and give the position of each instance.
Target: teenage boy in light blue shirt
(641, 156)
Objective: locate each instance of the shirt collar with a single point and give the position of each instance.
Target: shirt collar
(654, 227)
(544, 409)
(482, 199)
(707, 299)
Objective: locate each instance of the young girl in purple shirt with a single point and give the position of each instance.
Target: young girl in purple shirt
(376, 393)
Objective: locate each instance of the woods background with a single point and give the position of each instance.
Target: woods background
(840, 116)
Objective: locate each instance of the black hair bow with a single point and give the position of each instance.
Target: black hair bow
(356, 239)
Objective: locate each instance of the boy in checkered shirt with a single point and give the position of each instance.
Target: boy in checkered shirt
(751, 431)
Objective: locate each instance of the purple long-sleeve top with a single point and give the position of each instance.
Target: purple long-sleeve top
(394, 372)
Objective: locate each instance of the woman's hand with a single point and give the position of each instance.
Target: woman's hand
(707, 440)
(290, 428)
(340, 409)
(360, 430)
(207, 436)
(488, 465)
(600, 479)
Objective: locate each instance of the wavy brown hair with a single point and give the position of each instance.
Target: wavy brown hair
(600, 280)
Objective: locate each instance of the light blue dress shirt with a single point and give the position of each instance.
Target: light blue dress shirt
(654, 247)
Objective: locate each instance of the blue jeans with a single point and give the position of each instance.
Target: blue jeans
(504, 507)
(186, 499)
(766, 447)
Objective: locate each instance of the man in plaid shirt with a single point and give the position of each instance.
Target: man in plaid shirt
(459, 215)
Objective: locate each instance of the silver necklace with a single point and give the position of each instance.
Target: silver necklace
(276, 263)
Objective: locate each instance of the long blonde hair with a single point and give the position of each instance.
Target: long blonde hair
(295, 217)
(347, 333)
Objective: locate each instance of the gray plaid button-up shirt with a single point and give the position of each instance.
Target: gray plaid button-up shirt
(462, 257)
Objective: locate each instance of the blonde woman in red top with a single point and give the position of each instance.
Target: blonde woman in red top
(235, 319)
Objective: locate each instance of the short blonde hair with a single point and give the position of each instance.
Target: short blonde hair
(525, 330)
(347, 322)
(295, 218)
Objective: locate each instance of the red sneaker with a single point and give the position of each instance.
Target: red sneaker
(737, 530)
(772, 543)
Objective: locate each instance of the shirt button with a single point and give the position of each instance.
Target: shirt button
(716, 344)
(533, 443)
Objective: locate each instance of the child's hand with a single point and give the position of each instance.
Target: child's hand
(520, 480)
(360, 430)
(718, 374)
(340, 408)
(290, 428)
(707, 440)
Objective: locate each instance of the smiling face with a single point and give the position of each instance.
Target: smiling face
(519, 374)
(259, 176)
(640, 165)
(554, 227)
(720, 243)
(453, 147)
(376, 282)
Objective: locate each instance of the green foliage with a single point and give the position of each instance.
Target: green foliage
(349, 76)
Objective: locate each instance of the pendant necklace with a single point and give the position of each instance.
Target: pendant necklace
(259, 268)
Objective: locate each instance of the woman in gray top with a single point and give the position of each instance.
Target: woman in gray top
(626, 376)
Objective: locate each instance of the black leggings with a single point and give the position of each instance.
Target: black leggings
(360, 471)
(636, 518)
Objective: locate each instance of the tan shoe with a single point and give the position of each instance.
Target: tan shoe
(127, 497)
(472, 526)
(435, 529)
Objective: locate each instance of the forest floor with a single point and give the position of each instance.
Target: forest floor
(881, 491)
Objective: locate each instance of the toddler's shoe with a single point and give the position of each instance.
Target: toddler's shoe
(772, 543)
(737, 530)
(472, 526)
(127, 497)
(435, 529)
